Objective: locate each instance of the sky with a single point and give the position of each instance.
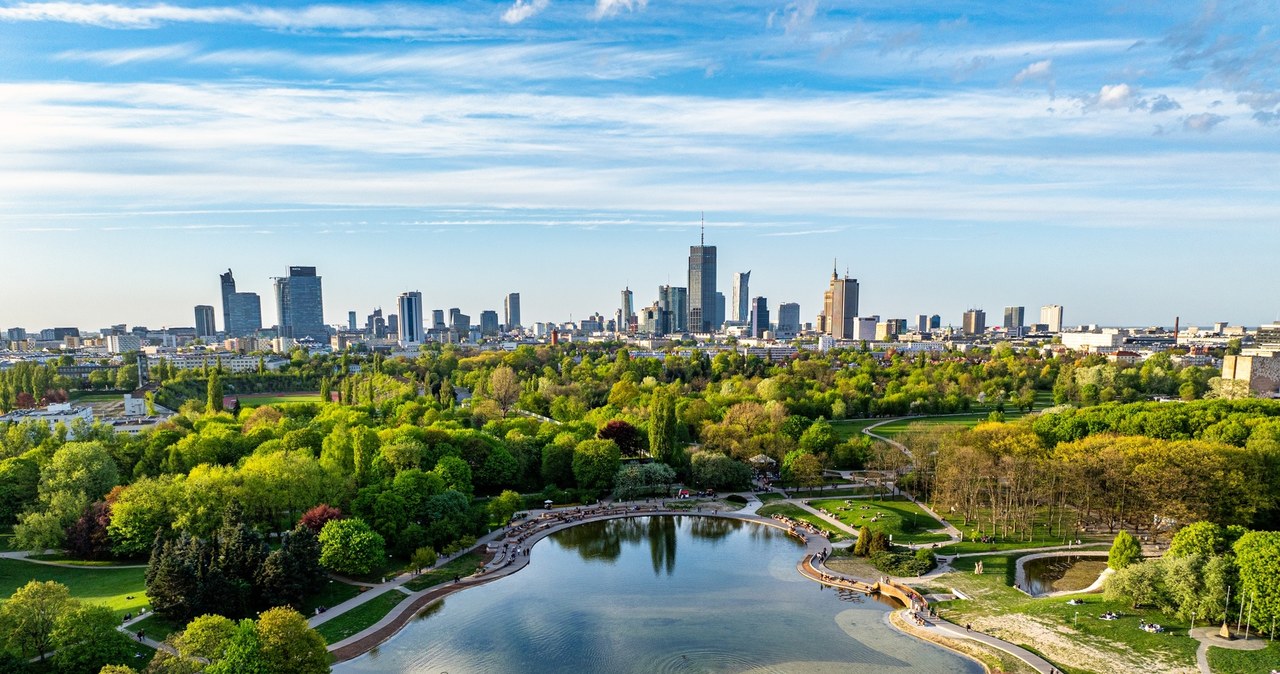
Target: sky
(1121, 159)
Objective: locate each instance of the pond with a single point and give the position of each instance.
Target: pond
(654, 595)
(1061, 573)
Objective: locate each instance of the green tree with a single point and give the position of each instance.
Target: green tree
(595, 462)
(1258, 561)
(289, 645)
(213, 393)
(85, 640)
(29, 616)
(863, 543)
(819, 438)
(206, 637)
(423, 558)
(504, 387)
(717, 471)
(504, 505)
(1124, 551)
(350, 546)
(662, 432)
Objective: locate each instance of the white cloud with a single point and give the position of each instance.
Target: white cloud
(109, 15)
(1203, 122)
(795, 18)
(1113, 97)
(117, 57)
(607, 8)
(1040, 70)
(523, 9)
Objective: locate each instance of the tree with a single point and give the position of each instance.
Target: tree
(1258, 560)
(716, 471)
(214, 393)
(819, 438)
(86, 639)
(595, 462)
(505, 388)
(351, 546)
(1142, 583)
(87, 536)
(423, 558)
(1124, 551)
(662, 432)
(206, 637)
(29, 616)
(292, 572)
(289, 645)
(624, 434)
(504, 505)
(318, 516)
(863, 543)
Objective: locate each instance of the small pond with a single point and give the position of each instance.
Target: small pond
(1065, 573)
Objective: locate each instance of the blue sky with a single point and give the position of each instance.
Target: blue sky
(1121, 159)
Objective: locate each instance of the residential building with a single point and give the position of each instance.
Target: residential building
(975, 322)
(123, 343)
(1261, 373)
(205, 326)
(741, 309)
(410, 328)
(759, 317)
(839, 307)
(701, 288)
(300, 305)
(512, 312)
(1051, 315)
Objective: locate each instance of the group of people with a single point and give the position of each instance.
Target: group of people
(1110, 615)
(1150, 627)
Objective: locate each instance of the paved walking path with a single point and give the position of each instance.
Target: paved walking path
(941, 628)
(1208, 636)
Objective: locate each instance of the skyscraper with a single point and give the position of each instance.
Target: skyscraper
(1015, 318)
(628, 314)
(702, 287)
(228, 283)
(718, 322)
(489, 322)
(204, 321)
(410, 308)
(246, 315)
(1051, 315)
(676, 301)
(922, 323)
(840, 306)
(512, 307)
(975, 322)
(300, 305)
(351, 321)
(741, 309)
(759, 316)
(437, 319)
(788, 319)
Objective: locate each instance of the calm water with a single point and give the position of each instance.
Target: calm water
(1044, 573)
(654, 595)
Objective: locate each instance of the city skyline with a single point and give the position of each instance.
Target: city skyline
(1083, 154)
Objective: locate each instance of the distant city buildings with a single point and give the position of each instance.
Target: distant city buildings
(839, 307)
(759, 317)
(741, 306)
(675, 301)
(489, 325)
(512, 312)
(975, 322)
(702, 287)
(300, 305)
(788, 319)
(241, 312)
(1051, 317)
(205, 326)
(410, 329)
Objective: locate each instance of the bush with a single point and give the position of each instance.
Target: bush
(902, 563)
(736, 498)
(351, 546)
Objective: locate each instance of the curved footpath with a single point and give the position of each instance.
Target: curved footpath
(515, 544)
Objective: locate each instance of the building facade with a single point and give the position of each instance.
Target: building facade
(702, 288)
(205, 326)
(975, 322)
(759, 316)
(741, 306)
(410, 307)
(511, 308)
(840, 307)
(300, 305)
(1051, 315)
(1015, 318)
(788, 319)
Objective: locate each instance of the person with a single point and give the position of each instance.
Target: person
(968, 627)
(142, 634)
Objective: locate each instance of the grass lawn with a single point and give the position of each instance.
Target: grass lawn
(770, 496)
(851, 428)
(109, 587)
(843, 491)
(342, 626)
(463, 566)
(331, 594)
(99, 397)
(260, 399)
(157, 627)
(1041, 538)
(906, 521)
(798, 513)
(62, 558)
(1224, 661)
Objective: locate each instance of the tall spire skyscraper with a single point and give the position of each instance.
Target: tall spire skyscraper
(702, 285)
(840, 306)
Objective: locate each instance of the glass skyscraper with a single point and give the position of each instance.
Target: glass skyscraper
(301, 305)
(702, 287)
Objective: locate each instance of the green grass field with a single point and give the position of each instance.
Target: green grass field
(331, 594)
(769, 496)
(260, 399)
(1223, 661)
(1041, 538)
(109, 587)
(906, 521)
(463, 566)
(157, 627)
(361, 617)
(798, 513)
(829, 493)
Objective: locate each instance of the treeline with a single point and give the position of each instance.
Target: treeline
(1232, 422)
(1092, 379)
(27, 385)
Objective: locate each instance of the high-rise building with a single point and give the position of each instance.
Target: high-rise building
(205, 326)
(1015, 318)
(702, 287)
(459, 322)
(246, 315)
(627, 317)
(228, 283)
(489, 322)
(922, 323)
(410, 307)
(759, 316)
(719, 320)
(789, 319)
(676, 301)
(437, 319)
(1051, 315)
(512, 308)
(351, 321)
(935, 322)
(975, 322)
(839, 306)
(741, 300)
(375, 325)
(300, 305)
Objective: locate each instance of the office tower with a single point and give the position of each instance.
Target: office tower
(1014, 318)
(840, 306)
(228, 283)
(437, 319)
(351, 321)
(375, 325)
(410, 329)
(627, 315)
(975, 322)
(489, 322)
(204, 321)
(459, 322)
(16, 334)
(935, 322)
(759, 316)
(741, 300)
(512, 308)
(702, 287)
(922, 323)
(393, 325)
(676, 301)
(300, 305)
(788, 318)
(1051, 315)
(246, 315)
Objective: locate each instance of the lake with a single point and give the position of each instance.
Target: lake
(656, 595)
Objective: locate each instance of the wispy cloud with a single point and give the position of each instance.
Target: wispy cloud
(523, 9)
(1203, 122)
(608, 8)
(109, 15)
